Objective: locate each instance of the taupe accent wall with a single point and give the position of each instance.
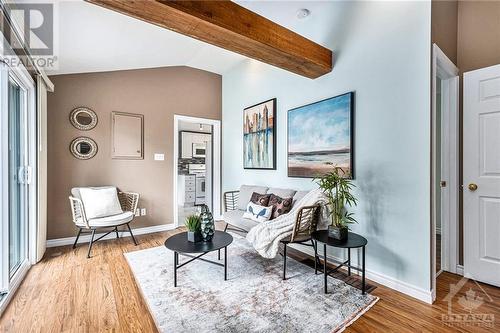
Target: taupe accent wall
(444, 27)
(478, 34)
(158, 94)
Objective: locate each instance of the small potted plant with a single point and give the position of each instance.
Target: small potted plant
(337, 187)
(193, 225)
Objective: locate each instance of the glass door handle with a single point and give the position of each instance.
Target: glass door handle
(20, 175)
(24, 175)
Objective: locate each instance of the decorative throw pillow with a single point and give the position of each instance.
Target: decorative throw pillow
(100, 202)
(258, 213)
(280, 205)
(260, 199)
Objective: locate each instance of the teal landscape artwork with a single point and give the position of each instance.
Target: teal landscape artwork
(320, 137)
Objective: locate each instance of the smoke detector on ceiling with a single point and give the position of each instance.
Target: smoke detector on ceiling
(303, 13)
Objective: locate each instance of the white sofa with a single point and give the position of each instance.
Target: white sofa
(235, 203)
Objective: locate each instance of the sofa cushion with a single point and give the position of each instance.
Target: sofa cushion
(246, 192)
(299, 195)
(258, 213)
(280, 205)
(100, 202)
(235, 218)
(260, 199)
(281, 192)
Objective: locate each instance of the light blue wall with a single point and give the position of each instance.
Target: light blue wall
(382, 53)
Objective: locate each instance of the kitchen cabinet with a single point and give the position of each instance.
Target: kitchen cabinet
(186, 190)
(188, 138)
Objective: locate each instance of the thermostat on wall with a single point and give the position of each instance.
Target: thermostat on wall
(159, 157)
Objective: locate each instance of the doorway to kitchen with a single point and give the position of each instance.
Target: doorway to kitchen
(196, 168)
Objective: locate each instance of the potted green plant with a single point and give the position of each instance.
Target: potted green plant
(193, 225)
(337, 187)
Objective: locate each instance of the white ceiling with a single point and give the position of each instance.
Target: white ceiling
(94, 39)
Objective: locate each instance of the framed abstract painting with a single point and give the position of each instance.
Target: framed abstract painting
(320, 137)
(259, 136)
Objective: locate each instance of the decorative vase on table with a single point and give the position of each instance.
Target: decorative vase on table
(207, 224)
(338, 233)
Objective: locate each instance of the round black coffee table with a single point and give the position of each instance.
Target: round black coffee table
(353, 241)
(180, 245)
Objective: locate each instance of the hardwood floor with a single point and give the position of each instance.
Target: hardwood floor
(66, 292)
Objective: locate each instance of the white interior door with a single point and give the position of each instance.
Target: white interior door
(482, 175)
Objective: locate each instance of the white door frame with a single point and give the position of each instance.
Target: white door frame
(443, 68)
(216, 181)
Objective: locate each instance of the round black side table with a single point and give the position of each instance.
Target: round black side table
(353, 241)
(180, 245)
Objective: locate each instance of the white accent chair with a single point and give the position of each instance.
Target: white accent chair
(126, 200)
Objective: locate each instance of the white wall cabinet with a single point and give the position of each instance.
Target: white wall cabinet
(187, 140)
(127, 135)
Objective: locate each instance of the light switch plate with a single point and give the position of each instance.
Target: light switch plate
(143, 211)
(159, 157)
(137, 212)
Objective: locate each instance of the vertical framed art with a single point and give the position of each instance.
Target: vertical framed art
(259, 136)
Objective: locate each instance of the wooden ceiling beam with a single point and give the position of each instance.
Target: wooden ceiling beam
(234, 28)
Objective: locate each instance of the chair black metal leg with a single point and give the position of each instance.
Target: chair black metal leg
(324, 268)
(91, 242)
(131, 234)
(225, 228)
(315, 257)
(284, 261)
(116, 230)
(77, 236)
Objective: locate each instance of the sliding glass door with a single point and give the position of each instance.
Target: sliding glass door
(18, 172)
(18, 189)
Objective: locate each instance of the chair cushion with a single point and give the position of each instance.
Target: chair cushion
(246, 192)
(282, 192)
(258, 213)
(235, 218)
(113, 220)
(260, 199)
(100, 202)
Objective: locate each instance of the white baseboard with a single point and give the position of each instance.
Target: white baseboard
(86, 238)
(405, 288)
(460, 270)
(387, 281)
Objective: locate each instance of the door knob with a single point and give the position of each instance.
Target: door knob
(472, 187)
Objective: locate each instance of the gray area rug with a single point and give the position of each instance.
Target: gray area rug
(253, 299)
